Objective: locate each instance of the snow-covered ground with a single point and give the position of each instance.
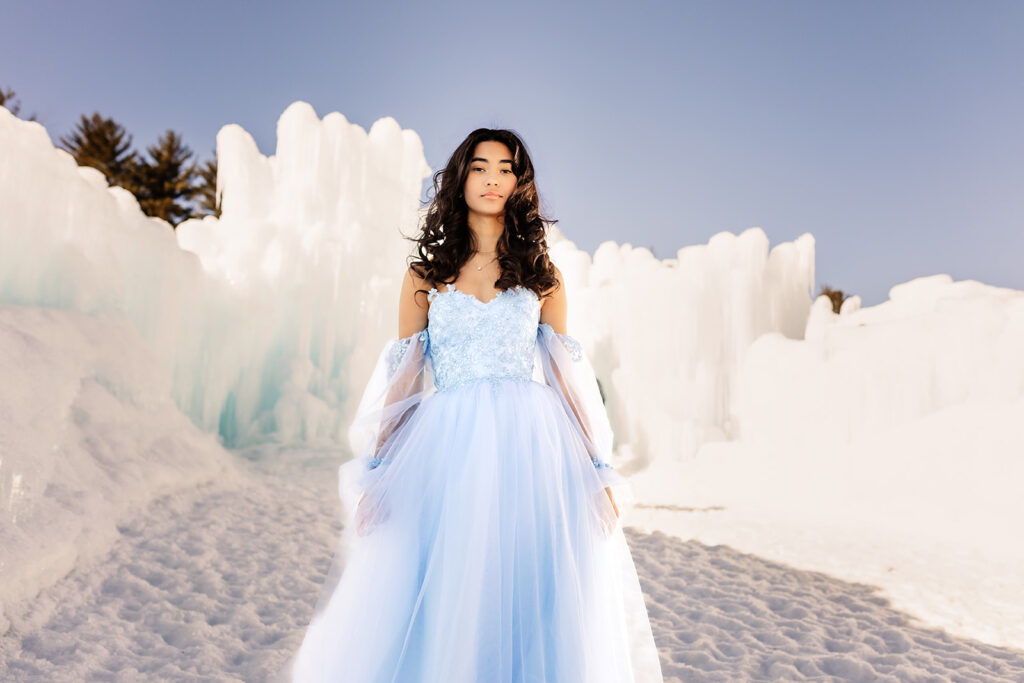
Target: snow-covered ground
(217, 584)
(825, 495)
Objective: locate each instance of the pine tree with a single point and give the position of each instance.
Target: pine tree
(207, 190)
(166, 179)
(105, 145)
(7, 99)
(163, 184)
(836, 296)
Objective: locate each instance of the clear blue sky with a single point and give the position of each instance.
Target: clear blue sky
(892, 131)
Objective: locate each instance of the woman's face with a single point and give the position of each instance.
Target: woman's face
(490, 180)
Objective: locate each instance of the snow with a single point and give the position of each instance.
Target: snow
(89, 438)
(885, 447)
(217, 583)
(824, 494)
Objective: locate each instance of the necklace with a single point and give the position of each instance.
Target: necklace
(486, 252)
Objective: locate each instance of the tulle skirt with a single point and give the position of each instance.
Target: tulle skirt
(485, 549)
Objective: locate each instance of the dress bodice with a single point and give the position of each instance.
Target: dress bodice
(470, 340)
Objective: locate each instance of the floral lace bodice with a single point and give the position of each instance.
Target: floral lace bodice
(468, 339)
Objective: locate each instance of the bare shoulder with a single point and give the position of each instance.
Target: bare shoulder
(556, 292)
(414, 280)
(554, 289)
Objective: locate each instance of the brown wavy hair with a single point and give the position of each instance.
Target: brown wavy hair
(445, 242)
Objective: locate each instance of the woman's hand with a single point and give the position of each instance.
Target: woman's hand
(608, 490)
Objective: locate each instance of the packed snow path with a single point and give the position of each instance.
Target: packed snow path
(216, 585)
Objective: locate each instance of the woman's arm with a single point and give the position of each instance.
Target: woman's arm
(569, 374)
(554, 309)
(412, 305)
(407, 378)
(392, 395)
(554, 313)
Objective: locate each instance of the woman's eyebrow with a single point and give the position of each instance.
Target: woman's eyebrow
(502, 161)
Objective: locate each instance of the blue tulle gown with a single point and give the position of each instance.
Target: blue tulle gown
(479, 543)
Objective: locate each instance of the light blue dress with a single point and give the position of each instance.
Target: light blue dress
(479, 544)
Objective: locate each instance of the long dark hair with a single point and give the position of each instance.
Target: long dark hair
(446, 242)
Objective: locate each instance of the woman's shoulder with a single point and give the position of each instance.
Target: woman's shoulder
(417, 278)
(413, 304)
(559, 285)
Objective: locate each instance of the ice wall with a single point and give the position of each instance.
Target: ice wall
(933, 345)
(310, 245)
(667, 337)
(255, 316)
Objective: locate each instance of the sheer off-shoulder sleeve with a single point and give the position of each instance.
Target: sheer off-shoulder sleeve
(392, 395)
(568, 370)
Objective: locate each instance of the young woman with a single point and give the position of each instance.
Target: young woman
(481, 541)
